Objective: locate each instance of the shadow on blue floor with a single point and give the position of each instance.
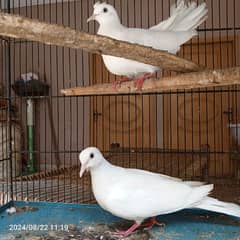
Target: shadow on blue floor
(45, 216)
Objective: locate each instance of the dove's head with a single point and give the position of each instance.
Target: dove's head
(104, 13)
(90, 158)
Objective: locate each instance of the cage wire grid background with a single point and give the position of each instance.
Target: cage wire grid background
(187, 134)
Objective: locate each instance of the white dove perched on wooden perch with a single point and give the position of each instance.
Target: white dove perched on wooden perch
(168, 35)
(136, 194)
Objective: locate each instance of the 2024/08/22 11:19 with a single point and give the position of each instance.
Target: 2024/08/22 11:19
(38, 227)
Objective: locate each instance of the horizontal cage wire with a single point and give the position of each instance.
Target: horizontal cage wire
(190, 134)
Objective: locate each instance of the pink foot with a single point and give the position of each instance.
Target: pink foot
(118, 82)
(151, 222)
(140, 80)
(128, 231)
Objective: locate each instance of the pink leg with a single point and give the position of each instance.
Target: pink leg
(140, 80)
(128, 231)
(118, 82)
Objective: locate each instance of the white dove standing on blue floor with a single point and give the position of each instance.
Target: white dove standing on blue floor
(136, 194)
(168, 35)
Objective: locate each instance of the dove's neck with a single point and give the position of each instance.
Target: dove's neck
(102, 166)
(103, 173)
(110, 27)
(103, 177)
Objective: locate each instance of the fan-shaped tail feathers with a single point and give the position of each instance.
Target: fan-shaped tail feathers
(199, 193)
(212, 204)
(184, 17)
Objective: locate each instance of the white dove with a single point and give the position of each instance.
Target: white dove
(168, 35)
(136, 194)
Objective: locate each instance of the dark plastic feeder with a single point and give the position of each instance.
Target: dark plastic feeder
(31, 88)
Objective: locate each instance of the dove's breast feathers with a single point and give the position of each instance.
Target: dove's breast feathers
(125, 67)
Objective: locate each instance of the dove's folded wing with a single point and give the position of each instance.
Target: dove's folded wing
(145, 194)
(163, 176)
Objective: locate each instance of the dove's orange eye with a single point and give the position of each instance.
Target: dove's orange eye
(105, 10)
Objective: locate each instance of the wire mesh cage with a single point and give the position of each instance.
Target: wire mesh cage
(191, 134)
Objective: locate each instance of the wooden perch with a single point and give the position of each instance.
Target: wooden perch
(25, 28)
(210, 78)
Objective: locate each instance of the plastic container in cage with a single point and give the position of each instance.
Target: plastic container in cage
(5, 167)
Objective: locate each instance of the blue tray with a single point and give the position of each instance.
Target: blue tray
(187, 224)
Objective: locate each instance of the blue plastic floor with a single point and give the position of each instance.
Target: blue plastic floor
(188, 224)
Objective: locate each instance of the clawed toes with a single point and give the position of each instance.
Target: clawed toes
(120, 233)
(115, 84)
(160, 224)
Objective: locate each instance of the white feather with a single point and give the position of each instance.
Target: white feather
(215, 205)
(183, 17)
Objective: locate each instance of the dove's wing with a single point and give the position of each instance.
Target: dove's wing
(168, 24)
(190, 183)
(163, 40)
(183, 17)
(144, 172)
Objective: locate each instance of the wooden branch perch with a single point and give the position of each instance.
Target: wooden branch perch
(182, 81)
(21, 27)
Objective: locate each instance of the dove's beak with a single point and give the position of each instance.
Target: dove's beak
(83, 168)
(93, 17)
